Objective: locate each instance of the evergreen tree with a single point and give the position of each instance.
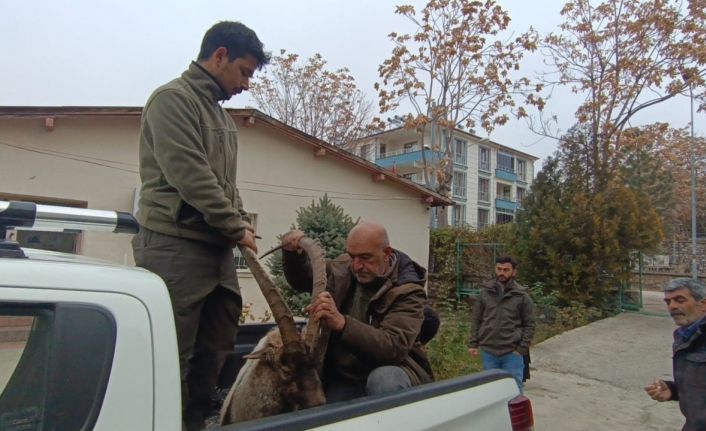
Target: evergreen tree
(325, 222)
(578, 238)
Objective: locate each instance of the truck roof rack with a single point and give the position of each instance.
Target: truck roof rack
(17, 214)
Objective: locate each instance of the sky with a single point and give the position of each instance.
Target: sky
(109, 53)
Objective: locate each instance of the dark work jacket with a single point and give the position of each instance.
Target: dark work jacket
(389, 334)
(689, 385)
(502, 323)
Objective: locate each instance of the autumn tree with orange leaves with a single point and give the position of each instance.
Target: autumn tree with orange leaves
(323, 103)
(613, 189)
(656, 159)
(625, 56)
(457, 69)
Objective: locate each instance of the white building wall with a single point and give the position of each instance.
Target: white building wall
(94, 159)
(90, 159)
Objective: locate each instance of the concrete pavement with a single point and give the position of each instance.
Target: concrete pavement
(592, 378)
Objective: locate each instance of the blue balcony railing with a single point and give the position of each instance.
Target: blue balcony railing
(506, 204)
(404, 159)
(505, 174)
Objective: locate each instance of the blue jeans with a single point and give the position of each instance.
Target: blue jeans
(510, 362)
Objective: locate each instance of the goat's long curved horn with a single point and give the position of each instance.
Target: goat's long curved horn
(282, 314)
(316, 336)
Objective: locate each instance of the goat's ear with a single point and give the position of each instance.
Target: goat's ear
(267, 354)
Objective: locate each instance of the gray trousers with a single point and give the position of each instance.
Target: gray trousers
(381, 380)
(203, 287)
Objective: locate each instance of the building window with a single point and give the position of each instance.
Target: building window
(460, 151)
(382, 151)
(504, 192)
(458, 215)
(506, 162)
(483, 218)
(483, 189)
(459, 184)
(522, 169)
(520, 195)
(409, 147)
(484, 159)
(365, 151)
(239, 259)
(502, 218)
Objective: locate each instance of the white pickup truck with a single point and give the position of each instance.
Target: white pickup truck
(87, 344)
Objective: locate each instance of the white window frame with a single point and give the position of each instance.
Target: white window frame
(483, 195)
(459, 189)
(521, 169)
(458, 215)
(504, 168)
(460, 151)
(482, 224)
(484, 162)
(501, 193)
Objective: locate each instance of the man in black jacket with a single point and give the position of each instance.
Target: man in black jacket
(686, 301)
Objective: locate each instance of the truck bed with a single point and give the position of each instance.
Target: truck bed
(476, 401)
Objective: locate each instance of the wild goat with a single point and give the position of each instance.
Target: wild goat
(282, 373)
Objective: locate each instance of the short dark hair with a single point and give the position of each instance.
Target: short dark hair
(507, 259)
(237, 38)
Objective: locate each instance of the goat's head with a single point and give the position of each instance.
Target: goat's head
(297, 373)
(303, 388)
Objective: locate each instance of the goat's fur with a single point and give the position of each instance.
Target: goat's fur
(265, 386)
(280, 376)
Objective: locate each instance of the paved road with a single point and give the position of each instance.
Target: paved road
(591, 378)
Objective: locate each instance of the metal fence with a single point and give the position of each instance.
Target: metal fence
(475, 263)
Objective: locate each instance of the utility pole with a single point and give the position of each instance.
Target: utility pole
(692, 160)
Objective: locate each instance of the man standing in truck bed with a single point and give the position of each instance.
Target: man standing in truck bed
(190, 213)
(502, 321)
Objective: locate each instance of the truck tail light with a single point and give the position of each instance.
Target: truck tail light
(521, 413)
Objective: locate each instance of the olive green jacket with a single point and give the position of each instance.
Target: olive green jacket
(188, 159)
(502, 322)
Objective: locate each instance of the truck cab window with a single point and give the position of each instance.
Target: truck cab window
(25, 343)
(55, 360)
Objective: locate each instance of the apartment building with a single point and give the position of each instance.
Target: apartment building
(490, 179)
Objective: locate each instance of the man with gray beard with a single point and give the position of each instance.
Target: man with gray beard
(686, 302)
